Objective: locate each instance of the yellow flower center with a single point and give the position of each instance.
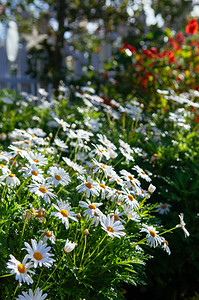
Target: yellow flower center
(11, 175)
(20, 152)
(34, 173)
(129, 215)
(143, 172)
(130, 177)
(43, 189)
(92, 206)
(64, 213)
(57, 177)
(48, 233)
(88, 185)
(35, 160)
(117, 192)
(163, 206)
(96, 214)
(110, 229)
(32, 211)
(27, 142)
(152, 233)
(116, 218)
(130, 197)
(103, 166)
(102, 186)
(166, 242)
(2, 166)
(38, 256)
(21, 268)
(100, 150)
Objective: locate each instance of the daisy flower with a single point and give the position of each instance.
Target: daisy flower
(12, 180)
(64, 212)
(74, 166)
(130, 181)
(103, 140)
(165, 247)
(117, 215)
(88, 185)
(91, 208)
(30, 296)
(62, 145)
(16, 151)
(102, 167)
(62, 123)
(48, 235)
(4, 169)
(112, 227)
(129, 199)
(32, 171)
(38, 253)
(101, 151)
(153, 239)
(103, 188)
(141, 173)
(21, 269)
(131, 215)
(37, 158)
(163, 208)
(58, 176)
(69, 246)
(182, 225)
(42, 190)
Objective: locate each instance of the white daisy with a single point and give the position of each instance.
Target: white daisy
(163, 208)
(42, 190)
(91, 208)
(58, 176)
(101, 167)
(21, 269)
(64, 212)
(130, 213)
(104, 189)
(141, 173)
(111, 227)
(12, 180)
(48, 235)
(117, 215)
(37, 158)
(4, 169)
(130, 199)
(88, 185)
(103, 140)
(32, 171)
(69, 246)
(130, 181)
(182, 225)
(32, 296)
(62, 123)
(165, 247)
(101, 151)
(153, 239)
(77, 168)
(16, 151)
(38, 253)
(62, 145)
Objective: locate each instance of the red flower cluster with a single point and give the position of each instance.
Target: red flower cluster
(192, 27)
(128, 46)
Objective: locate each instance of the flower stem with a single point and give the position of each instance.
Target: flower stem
(53, 271)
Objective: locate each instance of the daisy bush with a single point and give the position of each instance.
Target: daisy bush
(78, 219)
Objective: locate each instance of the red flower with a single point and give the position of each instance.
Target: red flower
(192, 27)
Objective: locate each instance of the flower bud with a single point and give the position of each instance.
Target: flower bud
(78, 215)
(151, 189)
(86, 232)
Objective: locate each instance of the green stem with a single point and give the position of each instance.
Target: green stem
(15, 291)
(95, 249)
(85, 240)
(39, 278)
(53, 271)
(22, 233)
